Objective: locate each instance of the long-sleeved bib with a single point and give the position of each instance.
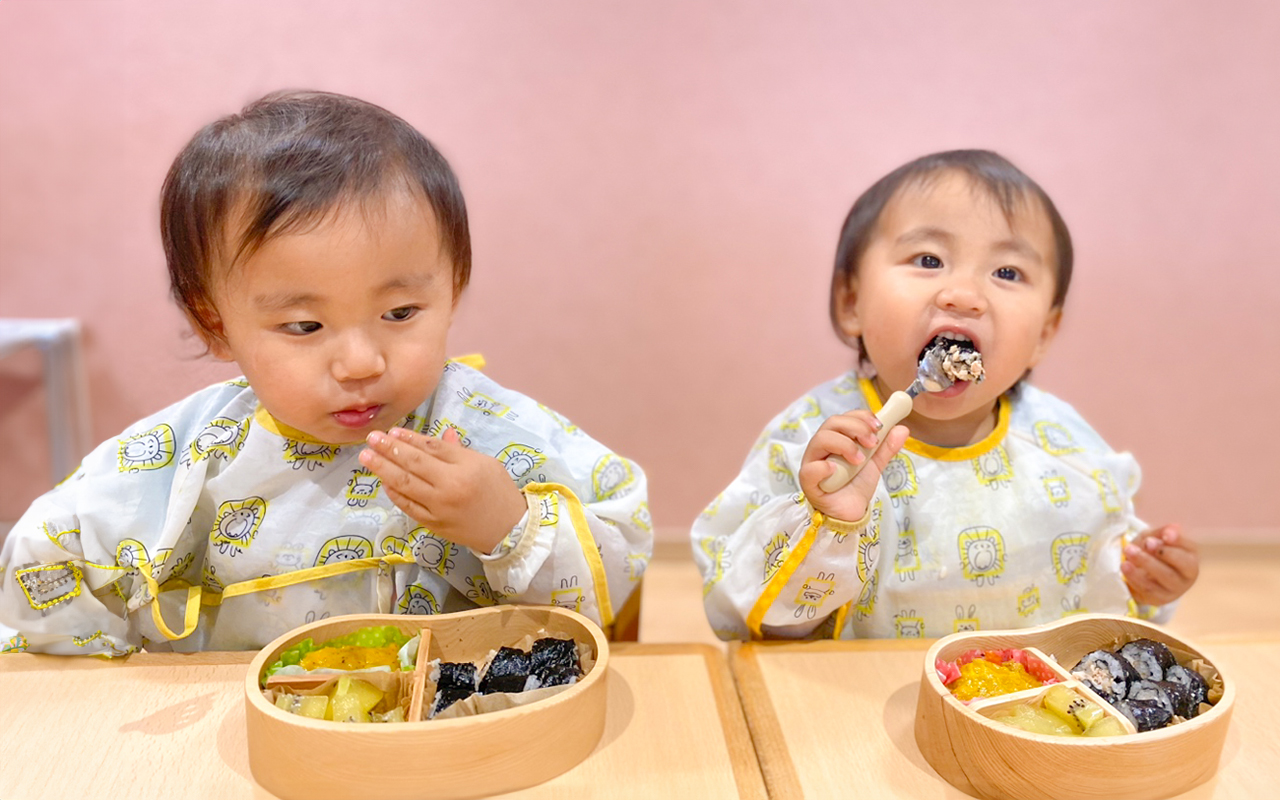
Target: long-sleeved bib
(209, 526)
(1019, 529)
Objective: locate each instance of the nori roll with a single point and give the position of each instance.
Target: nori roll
(555, 662)
(1146, 691)
(1106, 673)
(1145, 716)
(457, 682)
(1195, 684)
(507, 672)
(1149, 657)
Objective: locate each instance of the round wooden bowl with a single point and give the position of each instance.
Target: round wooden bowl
(992, 760)
(477, 756)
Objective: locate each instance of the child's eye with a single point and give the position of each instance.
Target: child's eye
(301, 328)
(1009, 274)
(400, 314)
(927, 261)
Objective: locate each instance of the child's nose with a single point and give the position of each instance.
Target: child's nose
(358, 358)
(962, 295)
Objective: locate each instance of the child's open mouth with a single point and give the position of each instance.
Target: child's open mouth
(961, 361)
(356, 417)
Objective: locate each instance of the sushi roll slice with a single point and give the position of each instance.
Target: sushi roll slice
(1107, 674)
(507, 672)
(1149, 657)
(1145, 691)
(1145, 716)
(457, 681)
(1195, 684)
(1180, 696)
(555, 662)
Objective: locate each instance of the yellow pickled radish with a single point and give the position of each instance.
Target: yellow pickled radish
(285, 702)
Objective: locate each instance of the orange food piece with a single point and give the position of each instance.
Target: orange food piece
(982, 678)
(352, 657)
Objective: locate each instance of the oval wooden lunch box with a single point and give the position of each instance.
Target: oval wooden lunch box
(475, 756)
(989, 759)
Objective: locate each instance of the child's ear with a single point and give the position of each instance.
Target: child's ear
(845, 305)
(1047, 333)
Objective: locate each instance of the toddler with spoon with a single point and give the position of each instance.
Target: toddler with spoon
(994, 505)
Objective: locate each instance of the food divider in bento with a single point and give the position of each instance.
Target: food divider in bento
(446, 706)
(1093, 705)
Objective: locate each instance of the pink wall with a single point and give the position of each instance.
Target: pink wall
(656, 189)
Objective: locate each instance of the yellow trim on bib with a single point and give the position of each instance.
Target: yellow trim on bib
(263, 417)
(842, 614)
(473, 360)
(578, 518)
(755, 619)
(933, 451)
(196, 596)
(191, 609)
(303, 576)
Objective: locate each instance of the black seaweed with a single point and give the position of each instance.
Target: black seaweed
(555, 661)
(1145, 716)
(507, 672)
(1149, 657)
(1195, 684)
(1146, 691)
(457, 682)
(1118, 674)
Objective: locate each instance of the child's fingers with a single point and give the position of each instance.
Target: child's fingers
(1171, 547)
(833, 443)
(1141, 585)
(1164, 577)
(411, 507)
(894, 438)
(861, 426)
(400, 466)
(444, 447)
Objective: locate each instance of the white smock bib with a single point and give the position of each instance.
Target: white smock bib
(1021, 528)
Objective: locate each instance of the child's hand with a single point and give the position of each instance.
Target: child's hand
(466, 497)
(841, 435)
(1160, 565)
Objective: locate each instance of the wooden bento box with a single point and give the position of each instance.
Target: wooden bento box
(990, 759)
(472, 756)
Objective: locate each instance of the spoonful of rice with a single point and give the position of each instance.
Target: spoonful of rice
(944, 362)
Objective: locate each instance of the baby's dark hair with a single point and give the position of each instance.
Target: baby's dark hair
(1007, 184)
(283, 163)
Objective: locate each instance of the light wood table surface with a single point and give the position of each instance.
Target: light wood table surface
(837, 719)
(173, 726)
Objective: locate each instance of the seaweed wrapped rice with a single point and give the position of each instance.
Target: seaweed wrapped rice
(554, 663)
(507, 672)
(1196, 686)
(1145, 715)
(1150, 658)
(1107, 674)
(457, 681)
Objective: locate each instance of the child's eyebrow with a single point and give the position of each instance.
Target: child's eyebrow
(1020, 247)
(926, 234)
(412, 281)
(284, 301)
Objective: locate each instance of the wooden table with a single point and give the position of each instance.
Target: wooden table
(170, 726)
(837, 719)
